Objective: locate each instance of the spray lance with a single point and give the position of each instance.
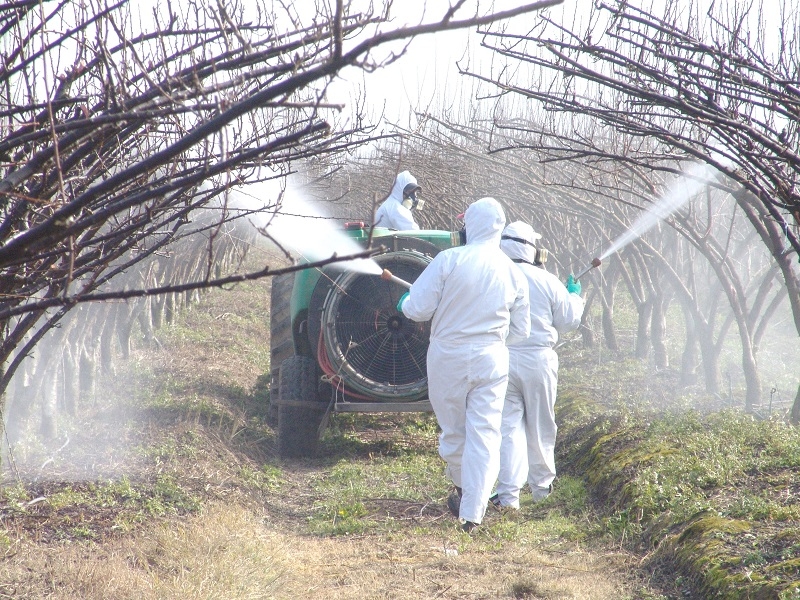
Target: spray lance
(387, 275)
(595, 263)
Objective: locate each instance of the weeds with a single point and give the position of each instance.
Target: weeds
(709, 490)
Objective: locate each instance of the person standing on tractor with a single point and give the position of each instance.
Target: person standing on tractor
(395, 212)
(527, 452)
(477, 300)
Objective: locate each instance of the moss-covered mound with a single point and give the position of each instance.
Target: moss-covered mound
(713, 498)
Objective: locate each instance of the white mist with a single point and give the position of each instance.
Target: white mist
(303, 228)
(696, 178)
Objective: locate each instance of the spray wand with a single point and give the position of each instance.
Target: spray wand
(387, 275)
(595, 263)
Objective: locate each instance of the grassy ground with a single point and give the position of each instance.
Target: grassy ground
(708, 494)
(169, 487)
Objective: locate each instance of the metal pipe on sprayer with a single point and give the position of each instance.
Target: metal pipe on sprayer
(596, 262)
(387, 275)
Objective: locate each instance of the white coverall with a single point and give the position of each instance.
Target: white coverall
(529, 427)
(392, 214)
(478, 301)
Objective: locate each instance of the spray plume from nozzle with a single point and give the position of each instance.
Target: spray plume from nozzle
(387, 275)
(596, 262)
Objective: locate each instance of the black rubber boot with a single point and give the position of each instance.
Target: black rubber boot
(454, 502)
(468, 526)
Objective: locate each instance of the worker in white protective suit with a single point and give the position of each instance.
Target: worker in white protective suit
(527, 451)
(477, 300)
(395, 212)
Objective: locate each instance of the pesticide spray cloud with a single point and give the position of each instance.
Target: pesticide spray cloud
(696, 178)
(303, 227)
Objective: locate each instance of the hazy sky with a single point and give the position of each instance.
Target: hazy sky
(427, 75)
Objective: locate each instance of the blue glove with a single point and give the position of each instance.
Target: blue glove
(400, 302)
(573, 285)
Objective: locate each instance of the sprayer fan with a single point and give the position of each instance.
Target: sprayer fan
(376, 350)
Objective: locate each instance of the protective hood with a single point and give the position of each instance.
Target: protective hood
(515, 249)
(484, 220)
(402, 180)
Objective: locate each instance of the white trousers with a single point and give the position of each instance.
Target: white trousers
(466, 387)
(527, 451)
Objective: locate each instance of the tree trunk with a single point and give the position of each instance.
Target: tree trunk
(751, 376)
(145, 318)
(586, 329)
(689, 358)
(607, 300)
(51, 379)
(795, 415)
(710, 354)
(659, 331)
(88, 372)
(643, 329)
(107, 337)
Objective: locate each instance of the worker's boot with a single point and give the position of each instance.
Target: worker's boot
(454, 502)
(468, 526)
(494, 502)
(540, 493)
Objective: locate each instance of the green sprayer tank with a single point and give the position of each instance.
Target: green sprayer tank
(338, 343)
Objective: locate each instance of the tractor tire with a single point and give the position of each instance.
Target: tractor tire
(300, 407)
(280, 336)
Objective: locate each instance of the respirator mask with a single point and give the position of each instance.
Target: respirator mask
(412, 199)
(459, 238)
(540, 254)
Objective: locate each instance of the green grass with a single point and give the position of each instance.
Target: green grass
(378, 493)
(268, 478)
(714, 494)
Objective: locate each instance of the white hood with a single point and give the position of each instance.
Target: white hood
(520, 250)
(400, 183)
(484, 220)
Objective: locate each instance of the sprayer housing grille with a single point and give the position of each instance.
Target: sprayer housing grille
(376, 349)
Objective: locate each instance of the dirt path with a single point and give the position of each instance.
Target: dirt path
(430, 567)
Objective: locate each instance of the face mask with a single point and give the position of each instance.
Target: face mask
(540, 254)
(459, 238)
(411, 201)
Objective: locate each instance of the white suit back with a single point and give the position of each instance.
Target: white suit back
(473, 293)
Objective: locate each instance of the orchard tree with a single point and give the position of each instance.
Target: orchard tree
(125, 125)
(715, 83)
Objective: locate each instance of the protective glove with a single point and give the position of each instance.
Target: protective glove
(573, 285)
(400, 302)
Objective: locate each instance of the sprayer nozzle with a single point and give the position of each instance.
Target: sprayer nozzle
(387, 275)
(595, 263)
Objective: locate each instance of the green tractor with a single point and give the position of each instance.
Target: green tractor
(338, 343)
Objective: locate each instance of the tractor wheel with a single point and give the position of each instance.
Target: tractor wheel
(300, 407)
(280, 336)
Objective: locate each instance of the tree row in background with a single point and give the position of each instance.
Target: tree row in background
(124, 126)
(581, 207)
(586, 124)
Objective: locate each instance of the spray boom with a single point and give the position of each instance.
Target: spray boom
(595, 263)
(387, 275)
